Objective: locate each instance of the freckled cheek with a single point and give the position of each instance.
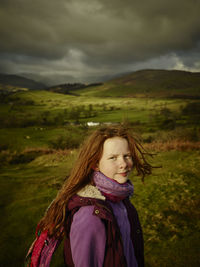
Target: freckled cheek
(113, 167)
(130, 164)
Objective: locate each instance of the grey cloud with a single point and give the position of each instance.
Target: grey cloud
(96, 36)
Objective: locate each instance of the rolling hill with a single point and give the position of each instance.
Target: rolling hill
(142, 83)
(15, 81)
(149, 83)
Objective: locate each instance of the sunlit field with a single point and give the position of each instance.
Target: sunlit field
(168, 205)
(39, 137)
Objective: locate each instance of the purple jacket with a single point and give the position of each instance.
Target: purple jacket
(102, 244)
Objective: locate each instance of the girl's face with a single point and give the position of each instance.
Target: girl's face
(116, 161)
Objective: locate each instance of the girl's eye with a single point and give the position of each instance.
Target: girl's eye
(127, 156)
(112, 157)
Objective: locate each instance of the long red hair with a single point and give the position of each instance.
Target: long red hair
(89, 155)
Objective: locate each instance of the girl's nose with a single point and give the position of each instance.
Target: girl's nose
(122, 163)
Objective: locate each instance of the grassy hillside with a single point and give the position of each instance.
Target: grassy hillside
(143, 83)
(33, 108)
(39, 137)
(45, 120)
(168, 206)
(149, 83)
(19, 81)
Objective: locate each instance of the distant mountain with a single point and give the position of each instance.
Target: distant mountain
(21, 82)
(142, 83)
(150, 83)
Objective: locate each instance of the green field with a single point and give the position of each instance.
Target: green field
(168, 206)
(39, 137)
(47, 108)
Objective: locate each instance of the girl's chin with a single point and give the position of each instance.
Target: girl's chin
(121, 179)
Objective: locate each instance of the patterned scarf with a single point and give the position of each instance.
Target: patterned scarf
(111, 189)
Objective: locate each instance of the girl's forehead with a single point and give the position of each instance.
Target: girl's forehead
(115, 144)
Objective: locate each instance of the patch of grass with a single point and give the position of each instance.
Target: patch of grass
(167, 204)
(168, 207)
(26, 192)
(178, 145)
(70, 139)
(168, 201)
(18, 139)
(42, 108)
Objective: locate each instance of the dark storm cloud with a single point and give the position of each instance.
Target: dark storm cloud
(90, 38)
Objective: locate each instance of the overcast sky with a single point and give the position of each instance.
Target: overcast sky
(59, 41)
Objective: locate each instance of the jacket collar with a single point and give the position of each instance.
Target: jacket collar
(90, 191)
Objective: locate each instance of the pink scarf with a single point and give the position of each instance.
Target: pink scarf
(111, 189)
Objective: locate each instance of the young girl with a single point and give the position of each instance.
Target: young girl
(92, 211)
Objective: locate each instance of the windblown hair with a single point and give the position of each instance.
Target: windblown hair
(89, 156)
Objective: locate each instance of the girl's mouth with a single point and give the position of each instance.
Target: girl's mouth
(124, 174)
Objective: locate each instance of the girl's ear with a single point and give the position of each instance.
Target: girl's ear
(95, 168)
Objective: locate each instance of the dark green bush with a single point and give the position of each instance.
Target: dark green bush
(191, 109)
(70, 139)
(23, 158)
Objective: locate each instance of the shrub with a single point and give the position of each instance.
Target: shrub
(168, 124)
(191, 109)
(8, 157)
(69, 140)
(25, 156)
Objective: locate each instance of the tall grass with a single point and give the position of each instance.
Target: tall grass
(167, 204)
(38, 148)
(168, 207)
